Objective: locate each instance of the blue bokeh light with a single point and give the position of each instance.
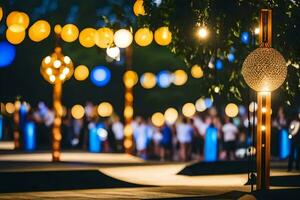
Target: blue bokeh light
(7, 53)
(231, 57)
(245, 38)
(219, 64)
(164, 79)
(29, 136)
(208, 102)
(100, 76)
(211, 144)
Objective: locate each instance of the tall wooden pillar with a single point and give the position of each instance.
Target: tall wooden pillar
(56, 129)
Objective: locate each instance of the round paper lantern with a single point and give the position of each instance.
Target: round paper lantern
(104, 37)
(69, 33)
(188, 109)
(231, 110)
(164, 79)
(1, 13)
(179, 77)
(17, 21)
(148, 80)
(123, 38)
(15, 37)
(158, 119)
(143, 37)
(200, 105)
(138, 8)
(105, 109)
(7, 53)
(130, 78)
(163, 36)
(197, 71)
(264, 69)
(57, 29)
(81, 73)
(39, 31)
(87, 37)
(100, 76)
(171, 115)
(77, 111)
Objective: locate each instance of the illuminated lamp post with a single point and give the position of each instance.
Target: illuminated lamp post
(56, 69)
(264, 70)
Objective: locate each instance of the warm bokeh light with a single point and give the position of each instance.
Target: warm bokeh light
(77, 111)
(1, 13)
(158, 119)
(200, 105)
(128, 112)
(256, 31)
(188, 110)
(128, 130)
(202, 32)
(130, 78)
(129, 96)
(197, 71)
(231, 110)
(164, 79)
(57, 29)
(81, 73)
(87, 37)
(15, 37)
(104, 37)
(127, 143)
(105, 109)
(252, 106)
(10, 108)
(39, 31)
(123, 38)
(143, 37)
(113, 52)
(17, 21)
(69, 33)
(100, 76)
(171, 115)
(148, 80)
(7, 54)
(180, 77)
(163, 36)
(138, 8)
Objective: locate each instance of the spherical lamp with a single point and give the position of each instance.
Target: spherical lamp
(200, 105)
(148, 80)
(264, 69)
(138, 8)
(7, 53)
(143, 37)
(123, 38)
(77, 111)
(104, 37)
(158, 119)
(163, 36)
(231, 110)
(15, 37)
(81, 73)
(100, 76)
(17, 21)
(164, 79)
(39, 31)
(69, 33)
(105, 109)
(188, 109)
(171, 115)
(113, 52)
(130, 78)
(87, 37)
(197, 71)
(179, 77)
(57, 29)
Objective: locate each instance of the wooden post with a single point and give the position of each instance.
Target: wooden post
(16, 120)
(56, 132)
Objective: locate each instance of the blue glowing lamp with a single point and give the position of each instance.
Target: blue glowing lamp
(208, 102)
(219, 64)
(245, 38)
(100, 76)
(164, 79)
(7, 53)
(231, 57)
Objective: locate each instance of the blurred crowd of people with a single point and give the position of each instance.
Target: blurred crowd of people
(182, 141)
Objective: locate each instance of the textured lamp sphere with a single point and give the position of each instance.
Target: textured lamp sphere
(158, 119)
(197, 71)
(163, 36)
(148, 80)
(138, 8)
(87, 37)
(17, 21)
(171, 115)
(143, 37)
(77, 111)
(57, 67)
(104, 37)
(123, 38)
(130, 78)
(69, 33)
(180, 77)
(264, 69)
(105, 109)
(188, 110)
(231, 110)
(15, 37)
(81, 73)
(39, 31)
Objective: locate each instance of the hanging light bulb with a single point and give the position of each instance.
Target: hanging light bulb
(113, 52)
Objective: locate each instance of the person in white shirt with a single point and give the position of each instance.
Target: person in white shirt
(140, 136)
(230, 132)
(118, 130)
(184, 132)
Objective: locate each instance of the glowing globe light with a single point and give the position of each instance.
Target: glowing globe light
(231, 110)
(128, 112)
(200, 105)
(128, 130)
(15, 37)
(81, 73)
(158, 119)
(219, 64)
(113, 52)
(39, 31)
(123, 38)
(208, 102)
(164, 79)
(197, 71)
(202, 32)
(77, 111)
(188, 109)
(130, 78)
(87, 37)
(264, 69)
(143, 37)
(180, 77)
(256, 31)
(163, 36)
(231, 57)
(104, 37)
(10, 108)
(57, 29)
(69, 33)
(17, 21)
(148, 80)
(171, 115)
(252, 106)
(138, 8)
(1, 13)
(245, 38)
(105, 109)
(7, 53)
(100, 76)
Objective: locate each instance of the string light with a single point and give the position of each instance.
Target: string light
(202, 32)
